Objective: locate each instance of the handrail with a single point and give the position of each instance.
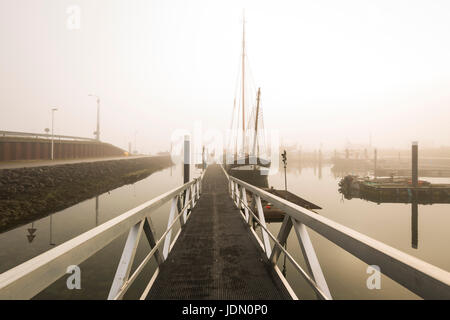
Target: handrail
(307, 277)
(31, 277)
(152, 252)
(420, 277)
(43, 135)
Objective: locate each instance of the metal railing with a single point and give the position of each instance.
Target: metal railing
(15, 134)
(31, 277)
(422, 278)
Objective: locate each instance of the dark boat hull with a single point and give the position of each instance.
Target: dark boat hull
(253, 171)
(254, 177)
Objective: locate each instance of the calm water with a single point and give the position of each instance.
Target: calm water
(345, 274)
(389, 223)
(98, 271)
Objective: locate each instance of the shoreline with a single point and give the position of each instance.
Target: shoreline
(28, 194)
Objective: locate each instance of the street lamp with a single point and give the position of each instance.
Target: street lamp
(97, 132)
(53, 120)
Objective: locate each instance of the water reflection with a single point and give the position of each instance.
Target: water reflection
(350, 189)
(414, 225)
(51, 231)
(320, 170)
(31, 233)
(96, 211)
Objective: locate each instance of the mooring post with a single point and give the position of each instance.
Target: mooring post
(203, 159)
(187, 155)
(186, 168)
(415, 163)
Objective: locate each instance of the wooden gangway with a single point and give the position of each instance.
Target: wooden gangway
(216, 256)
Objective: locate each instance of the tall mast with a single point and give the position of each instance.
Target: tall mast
(255, 139)
(237, 129)
(243, 85)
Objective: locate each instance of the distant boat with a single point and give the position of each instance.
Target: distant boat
(247, 162)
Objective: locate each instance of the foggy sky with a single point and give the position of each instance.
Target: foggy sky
(330, 72)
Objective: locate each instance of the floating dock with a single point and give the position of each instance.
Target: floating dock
(394, 189)
(273, 214)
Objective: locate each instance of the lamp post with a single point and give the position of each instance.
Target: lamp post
(97, 132)
(53, 121)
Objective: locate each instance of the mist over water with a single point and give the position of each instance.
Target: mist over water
(330, 73)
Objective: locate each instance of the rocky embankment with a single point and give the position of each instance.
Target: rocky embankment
(27, 194)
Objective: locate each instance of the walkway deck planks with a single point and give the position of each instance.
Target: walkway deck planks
(216, 256)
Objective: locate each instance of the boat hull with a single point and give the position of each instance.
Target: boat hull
(255, 174)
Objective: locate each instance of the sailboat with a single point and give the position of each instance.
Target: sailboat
(249, 159)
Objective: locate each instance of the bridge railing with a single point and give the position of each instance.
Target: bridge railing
(422, 278)
(31, 277)
(15, 134)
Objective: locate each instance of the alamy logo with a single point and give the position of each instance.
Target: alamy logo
(374, 281)
(74, 17)
(215, 142)
(74, 280)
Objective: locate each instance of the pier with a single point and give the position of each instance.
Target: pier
(216, 257)
(222, 249)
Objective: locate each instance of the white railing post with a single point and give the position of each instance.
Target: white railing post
(192, 197)
(245, 203)
(282, 237)
(310, 257)
(197, 185)
(180, 209)
(262, 220)
(148, 229)
(126, 261)
(238, 197)
(232, 190)
(173, 209)
(186, 202)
